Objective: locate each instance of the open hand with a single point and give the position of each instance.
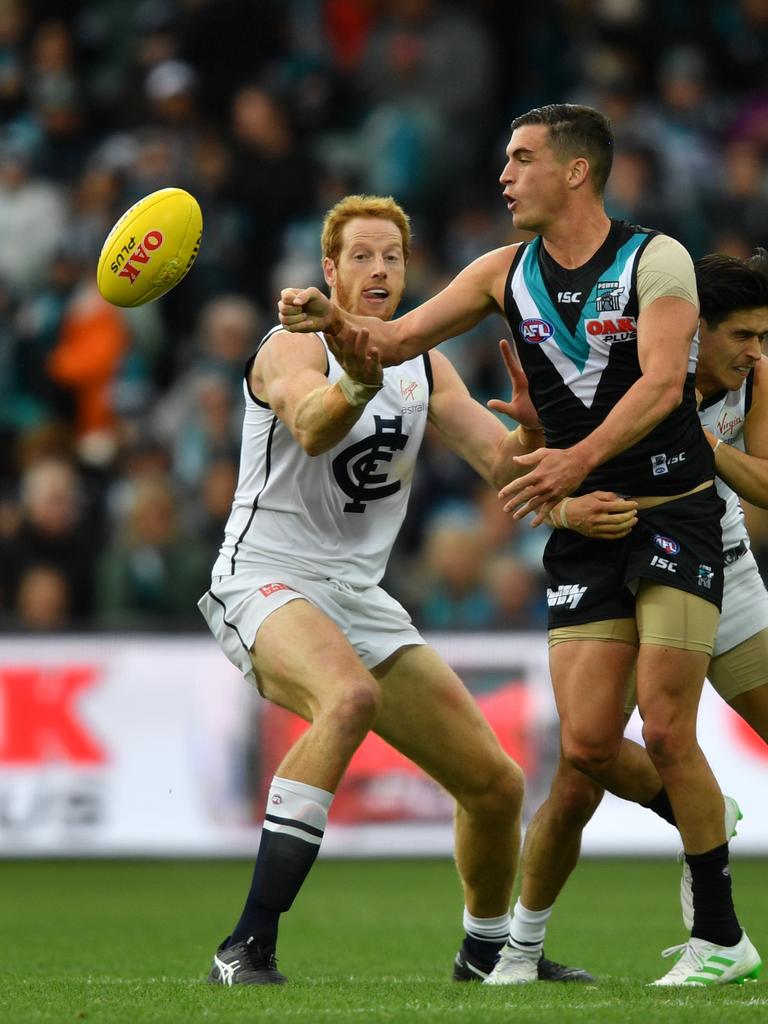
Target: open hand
(520, 407)
(361, 363)
(554, 474)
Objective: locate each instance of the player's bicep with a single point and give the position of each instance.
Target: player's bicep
(665, 329)
(287, 369)
(465, 426)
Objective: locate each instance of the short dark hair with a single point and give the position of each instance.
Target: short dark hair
(726, 284)
(576, 130)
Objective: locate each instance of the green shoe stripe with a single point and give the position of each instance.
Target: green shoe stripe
(721, 960)
(717, 971)
(700, 980)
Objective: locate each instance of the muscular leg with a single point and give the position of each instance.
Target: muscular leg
(428, 715)
(553, 837)
(303, 663)
(669, 684)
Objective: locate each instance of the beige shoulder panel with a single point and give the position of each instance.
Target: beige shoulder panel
(665, 268)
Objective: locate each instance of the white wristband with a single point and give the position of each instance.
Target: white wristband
(356, 392)
(717, 444)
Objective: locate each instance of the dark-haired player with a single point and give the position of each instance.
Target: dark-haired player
(603, 314)
(732, 379)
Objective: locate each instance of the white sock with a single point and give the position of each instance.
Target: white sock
(297, 809)
(487, 929)
(528, 928)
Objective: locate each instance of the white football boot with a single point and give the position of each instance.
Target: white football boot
(515, 967)
(704, 963)
(733, 816)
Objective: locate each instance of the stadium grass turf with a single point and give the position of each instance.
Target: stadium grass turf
(115, 941)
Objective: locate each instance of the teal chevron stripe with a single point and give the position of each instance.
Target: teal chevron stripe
(577, 349)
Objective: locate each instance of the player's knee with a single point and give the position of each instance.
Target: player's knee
(354, 709)
(593, 759)
(575, 798)
(502, 794)
(667, 741)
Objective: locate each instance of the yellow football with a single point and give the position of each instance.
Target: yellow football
(151, 248)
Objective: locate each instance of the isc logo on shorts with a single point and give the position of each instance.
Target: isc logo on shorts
(568, 594)
(271, 588)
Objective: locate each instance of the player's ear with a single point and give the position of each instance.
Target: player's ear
(577, 172)
(329, 271)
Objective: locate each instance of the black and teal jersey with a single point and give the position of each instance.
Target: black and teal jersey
(576, 336)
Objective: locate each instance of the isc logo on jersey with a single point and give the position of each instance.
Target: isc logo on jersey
(535, 330)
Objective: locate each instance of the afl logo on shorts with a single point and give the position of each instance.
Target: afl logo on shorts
(666, 544)
(535, 331)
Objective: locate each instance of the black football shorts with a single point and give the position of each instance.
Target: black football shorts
(678, 544)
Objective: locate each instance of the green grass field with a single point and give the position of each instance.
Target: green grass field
(108, 941)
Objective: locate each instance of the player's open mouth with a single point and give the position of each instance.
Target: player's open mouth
(511, 201)
(744, 370)
(376, 294)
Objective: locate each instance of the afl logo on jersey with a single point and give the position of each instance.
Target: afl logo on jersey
(666, 544)
(535, 331)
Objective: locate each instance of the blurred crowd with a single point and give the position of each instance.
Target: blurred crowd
(120, 429)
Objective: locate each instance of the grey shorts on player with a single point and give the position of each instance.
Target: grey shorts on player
(375, 624)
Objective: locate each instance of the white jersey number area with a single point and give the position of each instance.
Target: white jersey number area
(356, 468)
(335, 515)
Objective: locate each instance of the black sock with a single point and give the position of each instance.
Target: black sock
(660, 805)
(714, 918)
(282, 865)
(482, 951)
(294, 824)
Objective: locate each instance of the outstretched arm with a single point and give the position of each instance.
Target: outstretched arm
(472, 295)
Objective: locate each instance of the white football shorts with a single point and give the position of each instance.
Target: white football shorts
(745, 604)
(375, 624)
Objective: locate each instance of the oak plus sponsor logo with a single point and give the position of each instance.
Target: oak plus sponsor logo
(535, 330)
(52, 763)
(623, 328)
(567, 595)
(133, 257)
(413, 395)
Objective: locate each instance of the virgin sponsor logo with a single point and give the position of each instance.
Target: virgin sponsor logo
(728, 425)
(535, 331)
(666, 544)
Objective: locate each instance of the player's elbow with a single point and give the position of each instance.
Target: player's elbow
(669, 395)
(312, 444)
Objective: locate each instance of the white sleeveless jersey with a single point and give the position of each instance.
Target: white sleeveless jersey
(723, 414)
(334, 515)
